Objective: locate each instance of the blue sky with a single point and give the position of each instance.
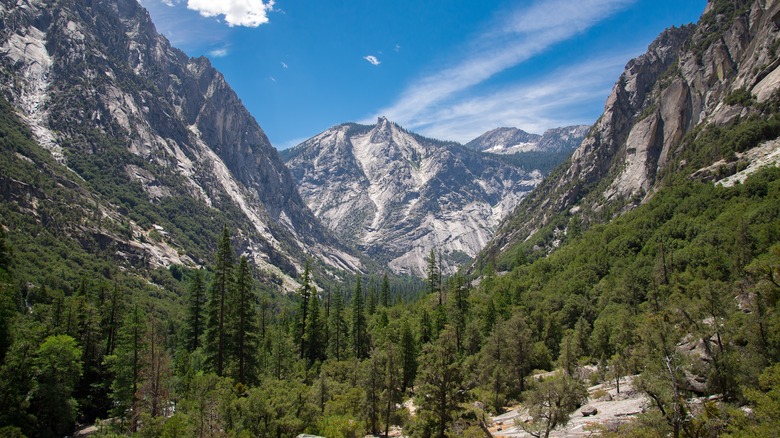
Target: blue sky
(448, 69)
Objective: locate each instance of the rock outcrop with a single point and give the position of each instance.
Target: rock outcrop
(108, 96)
(396, 195)
(685, 81)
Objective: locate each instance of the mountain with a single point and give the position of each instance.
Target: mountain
(514, 140)
(157, 141)
(701, 103)
(397, 195)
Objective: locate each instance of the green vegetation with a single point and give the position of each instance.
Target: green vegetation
(697, 263)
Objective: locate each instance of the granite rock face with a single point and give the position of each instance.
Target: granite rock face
(396, 195)
(95, 79)
(682, 83)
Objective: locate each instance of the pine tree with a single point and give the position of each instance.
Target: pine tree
(440, 381)
(426, 327)
(125, 364)
(384, 295)
(195, 311)
(314, 331)
(359, 336)
(243, 324)
(408, 356)
(434, 276)
(337, 342)
(305, 293)
(216, 331)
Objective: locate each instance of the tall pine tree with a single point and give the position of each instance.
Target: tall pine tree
(303, 310)
(243, 324)
(313, 337)
(359, 335)
(216, 330)
(338, 339)
(195, 311)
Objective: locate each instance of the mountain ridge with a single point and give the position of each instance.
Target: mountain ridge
(397, 195)
(114, 101)
(653, 123)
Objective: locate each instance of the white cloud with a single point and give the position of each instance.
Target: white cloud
(250, 13)
(372, 59)
(219, 53)
(557, 100)
(284, 65)
(523, 34)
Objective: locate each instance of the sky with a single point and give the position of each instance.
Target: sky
(447, 69)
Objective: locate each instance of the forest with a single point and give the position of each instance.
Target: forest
(215, 352)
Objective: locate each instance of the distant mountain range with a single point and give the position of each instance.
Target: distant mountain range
(396, 195)
(514, 140)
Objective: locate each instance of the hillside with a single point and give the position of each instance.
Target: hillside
(160, 140)
(701, 95)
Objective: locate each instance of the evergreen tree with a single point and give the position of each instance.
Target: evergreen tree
(195, 316)
(519, 346)
(125, 364)
(58, 370)
(338, 340)
(384, 294)
(216, 331)
(359, 335)
(243, 324)
(440, 381)
(426, 327)
(408, 356)
(392, 392)
(434, 276)
(314, 331)
(305, 293)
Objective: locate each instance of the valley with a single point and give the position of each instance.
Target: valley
(165, 271)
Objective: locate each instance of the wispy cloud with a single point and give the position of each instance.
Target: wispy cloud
(219, 53)
(249, 13)
(514, 39)
(284, 65)
(372, 59)
(559, 99)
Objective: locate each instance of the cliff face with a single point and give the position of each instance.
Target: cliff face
(685, 82)
(396, 195)
(105, 93)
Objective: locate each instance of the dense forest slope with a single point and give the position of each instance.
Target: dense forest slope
(663, 120)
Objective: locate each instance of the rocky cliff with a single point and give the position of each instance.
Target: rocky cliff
(693, 81)
(161, 137)
(397, 195)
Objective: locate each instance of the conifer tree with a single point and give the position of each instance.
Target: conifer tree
(216, 331)
(337, 342)
(243, 324)
(434, 276)
(408, 356)
(126, 364)
(359, 335)
(384, 295)
(195, 311)
(314, 331)
(305, 293)
(440, 381)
